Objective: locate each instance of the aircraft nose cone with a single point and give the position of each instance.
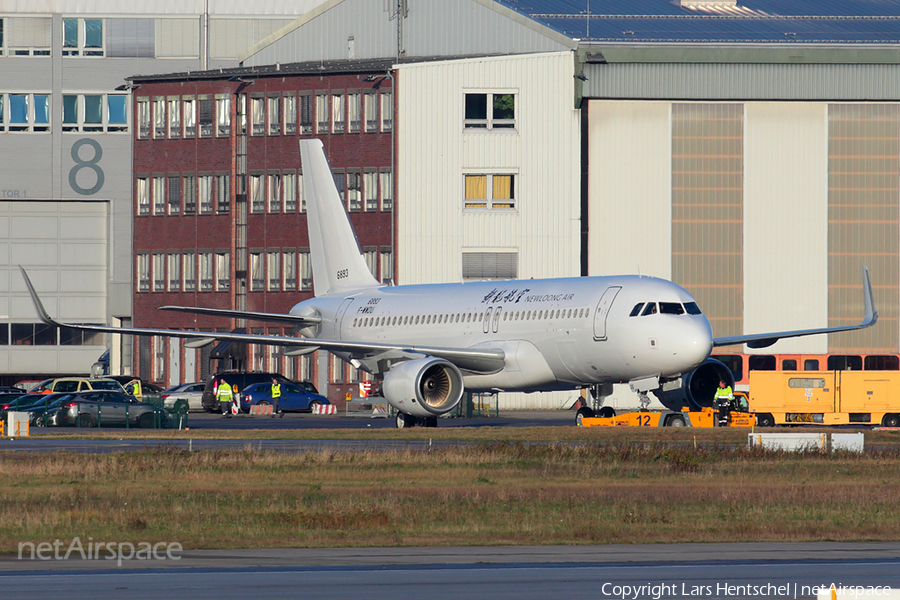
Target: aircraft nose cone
(697, 342)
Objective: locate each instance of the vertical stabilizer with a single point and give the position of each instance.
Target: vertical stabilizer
(337, 261)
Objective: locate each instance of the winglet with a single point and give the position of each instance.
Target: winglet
(868, 301)
(38, 305)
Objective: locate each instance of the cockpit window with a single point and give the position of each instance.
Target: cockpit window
(650, 309)
(692, 308)
(671, 308)
(637, 309)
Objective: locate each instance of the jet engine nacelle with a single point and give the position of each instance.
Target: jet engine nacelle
(425, 387)
(697, 387)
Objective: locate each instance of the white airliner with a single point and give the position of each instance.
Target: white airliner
(431, 343)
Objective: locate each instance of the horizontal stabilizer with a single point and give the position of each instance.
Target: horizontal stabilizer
(764, 340)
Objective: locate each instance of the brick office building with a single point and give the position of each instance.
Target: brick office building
(219, 215)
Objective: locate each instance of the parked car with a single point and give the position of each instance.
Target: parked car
(237, 381)
(147, 391)
(106, 409)
(43, 412)
(192, 392)
(294, 397)
(78, 384)
(19, 403)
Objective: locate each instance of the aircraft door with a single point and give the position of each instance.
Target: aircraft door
(487, 320)
(602, 312)
(496, 318)
(339, 317)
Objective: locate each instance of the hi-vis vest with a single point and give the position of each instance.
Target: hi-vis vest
(224, 393)
(276, 390)
(724, 393)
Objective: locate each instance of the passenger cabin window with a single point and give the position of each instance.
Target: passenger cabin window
(842, 362)
(789, 364)
(650, 309)
(811, 364)
(762, 362)
(692, 308)
(882, 363)
(671, 308)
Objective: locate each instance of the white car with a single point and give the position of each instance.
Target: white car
(192, 392)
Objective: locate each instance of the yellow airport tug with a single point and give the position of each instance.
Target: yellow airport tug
(735, 415)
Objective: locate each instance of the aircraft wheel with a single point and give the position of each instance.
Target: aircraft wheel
(583, 413)
(405, 421)
(675, 421)
(607, 412)
(765, 420)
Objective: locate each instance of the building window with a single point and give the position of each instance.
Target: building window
(174, 105)
(223, 271)
(142, 194)
(95, 113)
(26, 112)
(83, 37)
(143, 272)
(206, 272)
(158, 352)
(159, 118)
(371, 107)
(159, 272)
(257, 201)
(257, 116)
(205, 108)
(289, 183)
(290, 270)
(223, 114)
(30, 36)
(257, 280)
(223, 196)
(353, 112)
(143, 118)
(387, 190)
(305, 271)
(290, 115)
(273, 192)
(490, 110)
(189, 262)
(337, 370)
(190, 194)
(174, 272)
(174, 195)
(159, 195)
(370, 187)
(354, 190)
(337, 113)
(494, 191)
(300, 192)
(189, 104)
(387, 266)
(371, 256)
(205, 192)
(273, 266)
(323, 114)
(306, 114)
(490, 265)
(387, 112)
(273, 116)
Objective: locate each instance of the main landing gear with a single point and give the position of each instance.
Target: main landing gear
(404, 421)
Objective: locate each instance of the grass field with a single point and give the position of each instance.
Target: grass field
(628, 487)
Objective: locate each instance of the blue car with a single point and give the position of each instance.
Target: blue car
(294, 397)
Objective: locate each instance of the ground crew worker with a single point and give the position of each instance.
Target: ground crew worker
(276, 396)
(722, 401)
(225, 397)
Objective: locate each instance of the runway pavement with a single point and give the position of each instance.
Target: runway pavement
(649, 572)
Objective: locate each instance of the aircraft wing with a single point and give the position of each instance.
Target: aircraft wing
(764, 340)
(472, 359)
(244, 314)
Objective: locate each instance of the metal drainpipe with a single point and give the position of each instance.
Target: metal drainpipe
(393, 176)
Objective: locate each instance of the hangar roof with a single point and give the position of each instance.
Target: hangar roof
(722, 21)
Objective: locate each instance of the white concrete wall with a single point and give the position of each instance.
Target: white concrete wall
(630, 188)
(786, 222)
